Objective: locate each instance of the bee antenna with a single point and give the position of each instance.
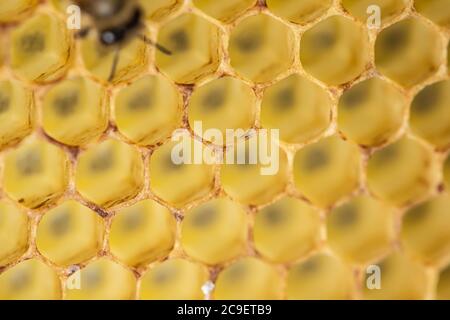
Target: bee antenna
(156, 45)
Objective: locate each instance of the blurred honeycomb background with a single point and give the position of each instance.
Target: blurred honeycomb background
(88, 190)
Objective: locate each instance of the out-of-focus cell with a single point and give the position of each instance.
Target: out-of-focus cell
(109, 172)
(16, 112)
(41, 48)
(13, 232)
(361, 229)
(30, 280)
(371, 112)
(261, 48)
(148, 110)
(225, 103)
(225, 11)
(220, 219)
(249, 279)
(174, 279)
(11, 11)
(401, 172)
(430, 114)
(425, 230)
(61, 5)
(69, 234)
(335, 50)
(443, 285)
(435, 10)
(194, 44)
(327, 171)
(299, 11)
(389, 9)
(408, 52)
(159, 9)
(103, 279)
(74, 112)
(142, 233)
(320, 277)
(286, 230)
(400, 278)
(299, 108)
(447, 172)
(35, 173)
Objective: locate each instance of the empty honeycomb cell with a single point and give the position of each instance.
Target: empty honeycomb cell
(327, 171)
(103, 279)
(298, 107)
(181, 183)
(299, 11)
(435, 10)
(16, 112)
(443, 285)
(70, 234)
(361, 229)
(371, 112)
(174, 279)
(224, 10)
(159, 9)
(35, 173)
(261, 48)
(286, 230)
(225, 103)
(389, 9)
(334, 50)
(426, 230)
(320, 277)
(41, 48)
(74, 111)
(14, 228)
(400, 279)
(30, 280)
(249, 279)
(142, 233)
(220, 219)
(447, 172)
(430, 114)
(11, 11)
(408, 52)
(148, 110)
(401, 172)
(109, 172)
(194, 46)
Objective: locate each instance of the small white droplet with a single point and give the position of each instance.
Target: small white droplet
(207, 289)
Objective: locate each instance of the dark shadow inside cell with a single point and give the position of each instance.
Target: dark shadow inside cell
(213, 99)
(417, 214)
(355, 96)
(29, 162)
(426, 100)
(312, 265)
(91, 278)
(20, 280)
(143, 100)
(102, 161)
(396, 37)
(4, 103)
(60, 224)
(324, 40)
(236, 271)
(65, 104)
(249, 41)
(204, 217)
(162, 275)
(315, 158)
(345, 216)
(33, 42)
(179, 41)
(285, 99)
(388, 154)
(132, 220)
(274, 215)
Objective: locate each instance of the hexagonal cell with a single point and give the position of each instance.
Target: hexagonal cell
(430, 114)
(335, 50)
(194, 45)
(225, 11)
(41, 48)
(221, 220)
(371, 112)
(286, 230)
(400, 173)
(35, 173)
(179, 184)
(361, 229)
(11, 11)
(214, 106)
(396, 272)
(148, 110)
(142, 233)
(70, 234)
(109, 173)
(443, 285)
(408, 52)
(261, 48)
(307, 279)
(13, 232)
(435, 10)
(425, 230)
(16, 112)
(251, 179)
(104, 279)
(249, 279)
(30, 280)
(447, 172)
(159, 9)
(75, 112)
(174, 279)
(298, 107)
(300, 12)
(327, 171)
(389, 9)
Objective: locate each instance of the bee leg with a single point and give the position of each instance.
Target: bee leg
(156, 45)
(114, 65)
(83, 32)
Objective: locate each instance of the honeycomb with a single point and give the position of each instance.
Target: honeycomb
(93, 207)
